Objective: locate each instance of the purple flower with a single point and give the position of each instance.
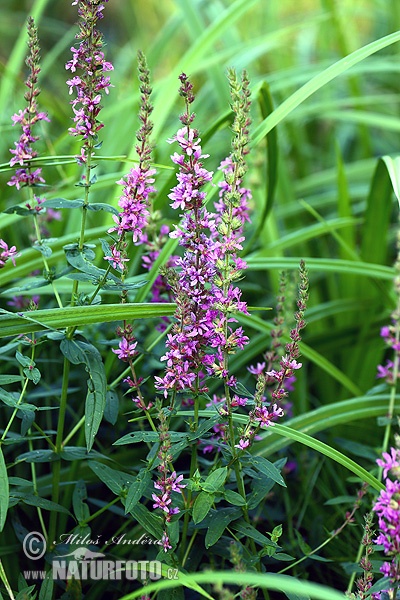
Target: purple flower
(265, 416)
(126, 349)
(390, 462)
(243, 444)
(258, 369)
(162, 502)
(116, 258)
(165, 542)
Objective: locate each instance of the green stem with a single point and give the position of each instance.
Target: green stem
(81, 241)
(45, 263)
(59, 445)
(102, 510)
(35, 491)
(14, 413)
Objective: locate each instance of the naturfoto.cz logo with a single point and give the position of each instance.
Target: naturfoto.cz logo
(85, 564)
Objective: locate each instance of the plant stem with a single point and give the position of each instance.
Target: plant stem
(59, 445)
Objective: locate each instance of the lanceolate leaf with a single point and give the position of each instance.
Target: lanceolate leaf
(60, 318)
(137, 489)
(323, 448)
(117, 481)
(318, 82)
(79, 352)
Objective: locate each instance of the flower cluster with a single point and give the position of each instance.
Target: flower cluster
(167, 481)
(127, 346)
(365, 581)
(277, 381)
(134, 215)
(88, 60)
(27, 118)
(232, 213)
(134, 200)
(387, 507)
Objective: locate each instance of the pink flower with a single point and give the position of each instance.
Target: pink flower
(243, 444)
(7, 253)
(126, 349)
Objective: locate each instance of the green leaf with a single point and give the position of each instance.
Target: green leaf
(105, 247)
(28, 417)
(18, 210)
(16, 324)
(62, 203)
(261, 486)
(4, 491)
(267, 108)
(12, 400)
(202, 505)
(81, 509)
(78, 260)
(79, 352)
(247, 530)
(393, 166)
(117, 481)
(137, 489)
(241, 390)
(96, 206)
(215, 480)
(174, 594)
(147, 436)
(43, 248)
(38, 456)
(78, 453)
(219, 521)
(33, 500)
(331, 453)
(36, 283)
(46, 589)
(234, 498)
(267, 468)
(318, 82)
(377, 215)
(150, 522)
(112, 407)
(33, 375)
(6, 379)
(23, 360)
(204, 427)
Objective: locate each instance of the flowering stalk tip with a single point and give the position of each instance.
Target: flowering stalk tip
(23, 153)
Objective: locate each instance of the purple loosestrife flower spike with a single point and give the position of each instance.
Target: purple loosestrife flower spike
(167, 481)
(232, 213)
(134, 200)
(88, 67)
(191, 283)
(27, 118)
